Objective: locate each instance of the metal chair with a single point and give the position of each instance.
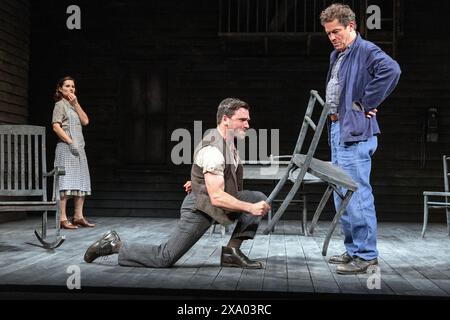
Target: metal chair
(23, 174)
(435, 194)
(300, 164)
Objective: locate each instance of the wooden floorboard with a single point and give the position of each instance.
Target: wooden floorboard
(408, 264)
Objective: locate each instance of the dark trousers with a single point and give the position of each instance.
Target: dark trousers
(190, 228)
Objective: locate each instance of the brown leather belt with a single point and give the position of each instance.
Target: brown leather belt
(334, 117)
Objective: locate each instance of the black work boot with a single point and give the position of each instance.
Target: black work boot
(233, 257)
(109, 243)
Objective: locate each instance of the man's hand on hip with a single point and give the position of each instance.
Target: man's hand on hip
(371, 113)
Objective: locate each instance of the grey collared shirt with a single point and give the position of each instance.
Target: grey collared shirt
(333, 87)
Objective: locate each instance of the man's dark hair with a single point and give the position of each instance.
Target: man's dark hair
(229, 106)
(342, 12)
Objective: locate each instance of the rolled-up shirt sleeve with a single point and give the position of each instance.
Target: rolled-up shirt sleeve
(211, 160)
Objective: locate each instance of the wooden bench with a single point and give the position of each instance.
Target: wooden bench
(23, 177)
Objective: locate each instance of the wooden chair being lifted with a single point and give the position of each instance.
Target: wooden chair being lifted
(23, 175)
(336, 179)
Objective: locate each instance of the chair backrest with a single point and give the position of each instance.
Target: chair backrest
(307, 124)
(445, 160)
(22, 161)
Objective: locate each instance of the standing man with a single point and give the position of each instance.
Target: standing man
(215, 193)
(360, 78)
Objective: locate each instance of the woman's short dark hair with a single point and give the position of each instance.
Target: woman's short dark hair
(229, 106)
(58, 96)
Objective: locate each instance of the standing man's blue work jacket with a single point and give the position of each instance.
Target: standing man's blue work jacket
(367, 75)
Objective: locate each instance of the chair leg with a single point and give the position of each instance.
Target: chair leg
(42, 237)
(425, 215)
(319, 209)
(305, 217)
(223, 230)
(335, 221)
(44, 225)
(283, 206)
(50, 245)
(269, 219)
(211, 229)
(58, 219)
(447, 211)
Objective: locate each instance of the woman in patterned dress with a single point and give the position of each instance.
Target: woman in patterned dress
(68, 119)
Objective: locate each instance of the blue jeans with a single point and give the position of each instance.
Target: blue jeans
(359, 221)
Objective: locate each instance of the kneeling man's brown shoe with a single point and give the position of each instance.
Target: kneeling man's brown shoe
(233, 257)
(356, 266)
(109, 243)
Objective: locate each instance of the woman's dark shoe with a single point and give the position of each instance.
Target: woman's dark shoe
(82, 223)
(108, 244)
(233, 257)
(64, 224)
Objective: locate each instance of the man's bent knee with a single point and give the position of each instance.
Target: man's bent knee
(259, 196)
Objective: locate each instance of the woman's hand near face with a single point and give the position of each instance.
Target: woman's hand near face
(72, 99)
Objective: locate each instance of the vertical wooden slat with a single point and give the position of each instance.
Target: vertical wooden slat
(220, 15)
(229, 15)
(285, 15)
(257, 15)
(8, 142)
(304, 15)
(16, 162)
(238, 20)
(295, 15)
(22, 162)
(2, 162)
(276, 16)
(30, 169)
(248, 15)
(314, 13)
(36, 162)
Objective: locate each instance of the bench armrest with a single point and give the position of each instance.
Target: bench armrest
(55, 173)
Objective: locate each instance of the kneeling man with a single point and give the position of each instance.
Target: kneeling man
(214, 194)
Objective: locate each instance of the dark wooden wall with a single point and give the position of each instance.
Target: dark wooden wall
(176, 43)
(14, 68)
(14, 60)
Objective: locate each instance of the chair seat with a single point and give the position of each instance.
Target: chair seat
(324, 170)
(27, 205)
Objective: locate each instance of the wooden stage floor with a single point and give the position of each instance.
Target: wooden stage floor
(409, 266)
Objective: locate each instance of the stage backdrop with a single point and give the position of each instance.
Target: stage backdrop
(147, 68)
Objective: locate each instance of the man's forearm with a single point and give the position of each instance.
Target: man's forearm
(226, 201)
